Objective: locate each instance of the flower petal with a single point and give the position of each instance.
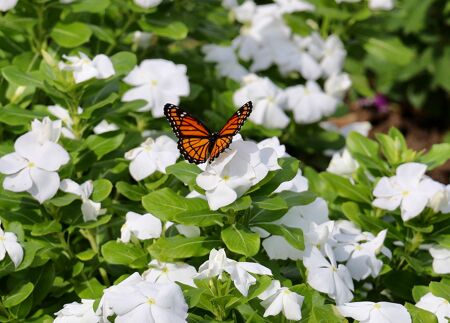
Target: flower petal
(45, 184)
(12, 163)
(18, 182)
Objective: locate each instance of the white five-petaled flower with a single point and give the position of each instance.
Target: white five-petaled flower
(90, 209)
(77, 312)
(9, 244)
(370, 312)
(157, 81)
(235, 171)
(407, 189)
(441, 259)
(147, 3)
(309, 103)
(164, 272)
(278, 299)
(437, 305)
(268, 101)
(327, 277)
(29, 168)
(152, 155)
(6, 5)
(359, 252)
(238, 271)
(138, 300)
(85, 69)
(143, 227)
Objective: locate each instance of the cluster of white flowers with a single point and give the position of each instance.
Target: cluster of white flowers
(375, 4)
(29, 168)
(157, 81)
(237, 169)
(412, 191)
(152, 155)
(266, 40)
(83, 68)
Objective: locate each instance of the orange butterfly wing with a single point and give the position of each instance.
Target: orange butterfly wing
(230, 129)
(193, 135)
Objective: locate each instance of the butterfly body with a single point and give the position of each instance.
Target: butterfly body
(196, 142)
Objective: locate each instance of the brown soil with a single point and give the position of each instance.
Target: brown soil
(418, 137)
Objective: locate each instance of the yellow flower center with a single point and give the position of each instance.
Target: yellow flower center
(405, 193)
(31, 165)
(358, 247)
(226, 178)
(151, 301)
(377, 306)
(165, 270)
(2, 238)
(154, 82)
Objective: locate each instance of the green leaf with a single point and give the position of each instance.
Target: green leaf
(181, 247)
(123, 62)
(44, 228)
(292, 235)
(87, 112)
(240, 204)
(358, 144)
(173, 29)
(70, 35)
(344, 188)
(102, 189)
(187, 173)
(132, 192)
(166, 204)
(419, 315)
(438, 155)
(14, 116)
(241, 240)
(104, 143)
(289, 168)
(64, 200)
(86, 255)
(118, 253)
(419, 291)
(294, 198)
(440, 289)
(91, 289)
(273, 203)
(18, 295)
(92, 6)
(390, 50)
(201, 218)
(16, 76)
(390, 149)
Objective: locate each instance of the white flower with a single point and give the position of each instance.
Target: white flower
(85, 69)
(309, 103)
(437, 305)
(337, 85)
(439, 198)
(343, 164)
(227, 61)
(143, 227)
(289, 6)
(370, 312)
(238, 271)
(406, 189)
(278, 299)
(187, 230)
(235, 171)
(268, 101)
(29, 168)
(157, 81)
(164, 272)
(333, 56)
(441, 259)
(105, 126)
(137, 300)
(381, 4)
(63, 115)
(147, 3)
(360, 252)
(6, 5)
(9, 244)
(300, 217)
(90, 209)
(298, 184)
(152, 155)
(76, 312)
(327, 277)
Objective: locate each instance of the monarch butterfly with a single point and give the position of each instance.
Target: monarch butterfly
(196, 142)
